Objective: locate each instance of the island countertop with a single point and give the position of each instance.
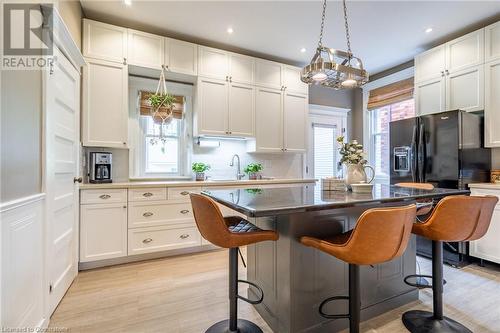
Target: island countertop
(275, 201)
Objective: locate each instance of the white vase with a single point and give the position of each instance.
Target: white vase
(356, 174)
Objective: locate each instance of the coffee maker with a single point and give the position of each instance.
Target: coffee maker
(100, 167)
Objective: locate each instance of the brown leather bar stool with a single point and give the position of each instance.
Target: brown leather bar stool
(231, 233)
(455, 219)
(380, 235)
(424, 206)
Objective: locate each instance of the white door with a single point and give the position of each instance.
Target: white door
(465, 51)
(241, 68)
(241, 110)
(295, 109)
(492, 103)
(430, 64)
(181, 57)
(212, 107)
(104, 41)
(292, 80)
(105, 111)
(465, 89)
(62, 121)
(430, 96)
(492, 42)
(268, 74)
(269, 120)
(212, 63)
(144, 49)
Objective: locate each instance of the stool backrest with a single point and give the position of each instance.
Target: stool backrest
(460, 218)
(209, 220)
(421, 186)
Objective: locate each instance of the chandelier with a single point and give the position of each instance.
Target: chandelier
(334, 68)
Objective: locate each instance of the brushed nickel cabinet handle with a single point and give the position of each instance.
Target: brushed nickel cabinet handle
(147, 240)
(184, 193)
(147, 214)
(184, 211)
(147, 194)
(184, 236)
(105, 196)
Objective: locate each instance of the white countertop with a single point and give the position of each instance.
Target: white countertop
(192, 183)
(491, 186)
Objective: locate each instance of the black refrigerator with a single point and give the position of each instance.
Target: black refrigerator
(446, 150)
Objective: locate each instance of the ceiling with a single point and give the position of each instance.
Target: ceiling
(383, 33)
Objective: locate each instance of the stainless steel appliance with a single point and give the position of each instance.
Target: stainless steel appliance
(444, 149)
(100, 167)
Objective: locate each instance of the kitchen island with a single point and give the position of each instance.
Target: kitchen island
(295, 278)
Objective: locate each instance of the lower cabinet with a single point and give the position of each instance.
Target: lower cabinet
(488, 247)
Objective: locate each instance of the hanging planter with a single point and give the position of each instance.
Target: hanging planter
(162, 103)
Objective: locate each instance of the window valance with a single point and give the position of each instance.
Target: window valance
(390, 94)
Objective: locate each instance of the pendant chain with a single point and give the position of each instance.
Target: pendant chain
(347, 35)
(320, 42)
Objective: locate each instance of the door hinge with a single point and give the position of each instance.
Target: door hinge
(50, 288)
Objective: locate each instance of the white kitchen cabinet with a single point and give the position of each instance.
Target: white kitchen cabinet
(492, 42)
(181, 57)
(465, 89)
(103, 231)
(269, 120)
(213, 63)
(430, 64)
(241, 68)
(268, 74)
(104, 41)
(295, 108)
(145, 50)
(292, 80)
(149, 214)
(430, 96)
(154, 239)
(241, 117)
(464, 52)
(492, 104)
(104, 102)
(488, 247)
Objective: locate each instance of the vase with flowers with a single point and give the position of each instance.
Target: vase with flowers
(353, 157)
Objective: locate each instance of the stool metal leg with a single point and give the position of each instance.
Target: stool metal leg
(233, 324)
(354, 299)
(417, 321)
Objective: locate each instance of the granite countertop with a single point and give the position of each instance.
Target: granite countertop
(492, 186)
(286, 200)
(192, 183)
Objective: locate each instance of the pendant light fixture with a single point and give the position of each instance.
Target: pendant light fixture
(335, 68)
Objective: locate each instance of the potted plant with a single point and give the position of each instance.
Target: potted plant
(199, 169)
(353, 157)
(253, 170)
(162, 106)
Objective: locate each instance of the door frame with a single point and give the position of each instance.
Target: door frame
(321, 114)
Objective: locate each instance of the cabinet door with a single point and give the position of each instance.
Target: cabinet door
(268, 74)
(492, 42)
(430, 96)
(241, 109)
(212, 107)
(104, 41)
(181, 57)
(488, 247)
(465, 89)
(212, 63)
(430, 64)
(465, 51)
(492, 103)
(105, 111)
(269, 120)
(292, 80)
(295, 108)
(103, 231)
(145, 50)
(241, 68)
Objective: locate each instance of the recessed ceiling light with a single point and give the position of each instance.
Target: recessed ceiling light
(229, 30)
(127, 2)
(428, 30)
(303, 50)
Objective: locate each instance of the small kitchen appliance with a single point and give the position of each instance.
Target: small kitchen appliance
(100, 167)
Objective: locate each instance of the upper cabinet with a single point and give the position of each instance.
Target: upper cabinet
(104, 41)
(241, 68)
(269, 74)
(492, 42)
(464, 52)
(292, 80)
(492, 103)
(430, 64)
(181, 57)
(145, 50)
(213, 63)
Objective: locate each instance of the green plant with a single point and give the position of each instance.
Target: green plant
(253, 168)
(351, 152)
(199, 167)
(161, 100)
(254, 190)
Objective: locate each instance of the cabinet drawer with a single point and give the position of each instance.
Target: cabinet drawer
(147, 194)
(160, 213)
(103, 196)
(182, 193)
(145, 240)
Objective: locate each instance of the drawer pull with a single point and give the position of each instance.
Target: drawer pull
(184, 236)
(184, 211)
(105, 196)
(147, 240)
(147, 214)
(184, 193)
(147, 194)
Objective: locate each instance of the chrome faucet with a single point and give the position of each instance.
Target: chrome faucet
(239, 175)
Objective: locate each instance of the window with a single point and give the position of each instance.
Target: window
(380, 119)
(325, 150)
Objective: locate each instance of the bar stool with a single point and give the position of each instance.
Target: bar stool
(380, 235)
(231, 233)
(424, 206)
(455, 219)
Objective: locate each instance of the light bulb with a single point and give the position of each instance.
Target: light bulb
(349, 83)
(319, 77)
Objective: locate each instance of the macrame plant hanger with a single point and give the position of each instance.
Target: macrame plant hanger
(162, 114)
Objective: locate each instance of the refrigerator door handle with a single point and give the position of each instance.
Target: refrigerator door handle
(421, 154)
(413, 157)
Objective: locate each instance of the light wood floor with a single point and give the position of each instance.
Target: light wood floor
(187, 294)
